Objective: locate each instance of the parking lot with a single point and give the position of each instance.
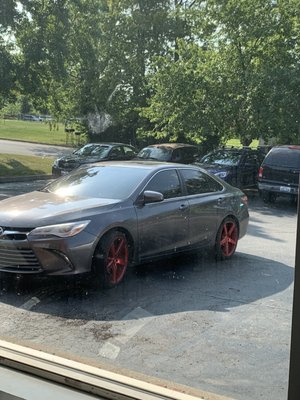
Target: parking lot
(221, 327)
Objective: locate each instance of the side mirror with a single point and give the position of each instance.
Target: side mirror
(150, 196)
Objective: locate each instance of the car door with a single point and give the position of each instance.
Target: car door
(163, 226)
(205, 198)
(248, 170)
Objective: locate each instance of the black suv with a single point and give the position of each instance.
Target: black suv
(237, 166)
(279, 173)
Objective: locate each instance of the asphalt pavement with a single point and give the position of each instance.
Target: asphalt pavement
(32, 149)
(221, 327)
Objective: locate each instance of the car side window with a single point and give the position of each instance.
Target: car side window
(250, 160)
(128, 151)
(167, 183)
(188, 154)
(116, 153)
(176, 155)
(197, 182)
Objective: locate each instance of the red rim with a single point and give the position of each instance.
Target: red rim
(229, 238)
(117, 260)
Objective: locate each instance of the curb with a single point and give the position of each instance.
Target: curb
(25, 178)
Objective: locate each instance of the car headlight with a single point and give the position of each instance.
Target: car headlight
(221, 174)
(60, 230)
(55, 163)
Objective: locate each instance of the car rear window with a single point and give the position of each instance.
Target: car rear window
(155, 153)
(284, 157)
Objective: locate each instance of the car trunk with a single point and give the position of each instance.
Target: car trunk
(281, 174)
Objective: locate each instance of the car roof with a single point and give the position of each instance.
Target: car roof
(108, 144)
(145, 164)
(237, 149)
(287, 146)
(172, 145)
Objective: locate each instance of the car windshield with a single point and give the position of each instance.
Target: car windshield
(108, 182)
(93, 150)
(155, 153)
(222, 157)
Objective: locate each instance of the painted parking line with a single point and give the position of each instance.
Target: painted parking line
(109, 350)
(135, 321)
(30, 303)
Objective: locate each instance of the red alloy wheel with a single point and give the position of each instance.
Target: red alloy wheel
(229, 238)
(117, 259)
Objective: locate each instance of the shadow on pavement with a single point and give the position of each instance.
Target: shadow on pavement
(179, 284)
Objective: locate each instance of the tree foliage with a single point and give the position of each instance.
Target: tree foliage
(188, 70)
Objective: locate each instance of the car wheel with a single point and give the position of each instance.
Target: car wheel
(111, 259)
(227, 239)
(268, 197)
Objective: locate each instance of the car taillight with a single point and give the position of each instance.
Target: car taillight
(244, 200)
(260, 172)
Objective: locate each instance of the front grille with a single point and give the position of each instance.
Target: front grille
(14, 233)
(68, 164)
(13, 256)
(18, 259)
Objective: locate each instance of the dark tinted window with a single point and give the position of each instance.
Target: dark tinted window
(184, 154)
(283, 157)
(111, 182)
(251, 159)
(197, 182)
(93, 150)
(167, 183)
(129, 151)
(155, 153)
(116, 153)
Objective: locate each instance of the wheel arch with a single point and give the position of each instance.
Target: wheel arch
(229, 216)
(219, 253)
(129, 237)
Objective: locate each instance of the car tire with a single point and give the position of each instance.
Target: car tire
(111, 259)
(227, 239)
(269, 197)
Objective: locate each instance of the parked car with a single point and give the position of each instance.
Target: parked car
(279, 173)
(237, 166)
(102, 217)
(170, 152)
(31, 118)
(91, 153)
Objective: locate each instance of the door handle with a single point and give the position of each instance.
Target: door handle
(220, 200)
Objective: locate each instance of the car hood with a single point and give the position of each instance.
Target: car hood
(77, 159)
(41, 208)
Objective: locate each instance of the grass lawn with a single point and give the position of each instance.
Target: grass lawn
(31, 131)
(237, 143)
(17, 165)
(39, 132)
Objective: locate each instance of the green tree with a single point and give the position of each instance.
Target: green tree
(238, 77)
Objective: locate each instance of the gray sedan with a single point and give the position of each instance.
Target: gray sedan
(102, 217)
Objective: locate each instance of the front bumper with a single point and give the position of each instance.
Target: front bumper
(20, 254)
